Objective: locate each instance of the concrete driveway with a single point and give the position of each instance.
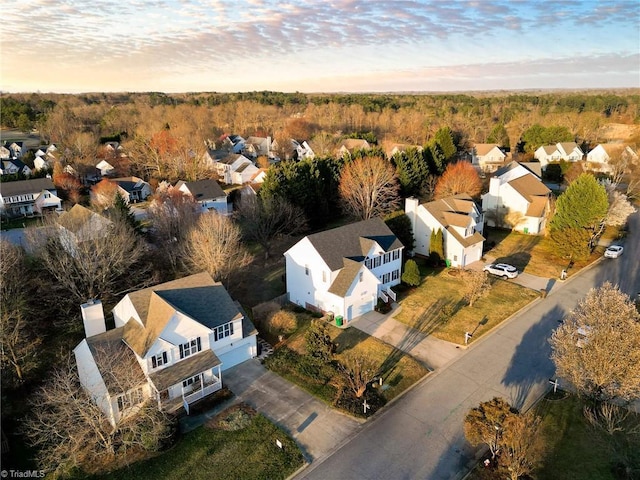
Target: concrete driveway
(317, 428)
(524, 279)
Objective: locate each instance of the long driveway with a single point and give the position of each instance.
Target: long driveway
(421, 435)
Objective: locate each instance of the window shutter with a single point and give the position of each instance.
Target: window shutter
(181, 351)
(231, 328)
(164, 357)
(154, 363)
(199, 345)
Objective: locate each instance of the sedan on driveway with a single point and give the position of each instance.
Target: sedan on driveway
(614, 251)
(503, 270)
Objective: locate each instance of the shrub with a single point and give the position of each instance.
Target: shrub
(411, 275)
(282, 321)
(318, 342)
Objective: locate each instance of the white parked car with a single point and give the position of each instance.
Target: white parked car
(501, 270)
(614, 251)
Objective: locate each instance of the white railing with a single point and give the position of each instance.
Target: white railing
(203, 392)
(391, 293)
(383, 296)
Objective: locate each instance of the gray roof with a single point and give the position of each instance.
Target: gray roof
(203, 189)
(513, 165)
(130, 184)
(26, 186)
(353, 241)
(197, 296)
(189, 367)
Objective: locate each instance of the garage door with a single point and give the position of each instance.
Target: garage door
(359, 308)
(235, 356)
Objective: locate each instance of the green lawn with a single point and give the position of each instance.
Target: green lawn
(399, 370)
(206, 453)
(532, 254)
(436, 306)
(575, 450)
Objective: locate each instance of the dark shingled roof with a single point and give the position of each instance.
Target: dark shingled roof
(353, 241)
(203, 189)
(130, 184)
(197, 296)
(22, 187)
(186, 368)
(512, 165)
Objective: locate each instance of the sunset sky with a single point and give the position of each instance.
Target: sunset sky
(74, 46)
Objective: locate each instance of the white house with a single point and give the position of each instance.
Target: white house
(26, 197)
(344, 270)
(602, 157)
(174, 339)
(133, 189)
(208, 194)
(516, 198)
(105, 168)
(255, 147)
(487, 156)
(235, 169)
(14, 166)
(303, 150)
(460, 221)
(568, 151)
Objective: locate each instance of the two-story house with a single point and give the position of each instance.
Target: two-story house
(461, 223)
(517, 198)
(14, 166)
(487, 157)
(235, 169)
(133, 189)
(350, 145)
(346, 269)
(567, 151)
(176, 339)
(208, 194)
(605, 157)
(26, 197)
(79, 224)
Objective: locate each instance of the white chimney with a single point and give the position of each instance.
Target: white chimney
(93, 318)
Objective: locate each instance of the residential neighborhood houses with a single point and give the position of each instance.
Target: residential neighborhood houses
(176, 339)
(174, 342)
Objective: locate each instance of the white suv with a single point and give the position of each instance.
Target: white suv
(501, 270)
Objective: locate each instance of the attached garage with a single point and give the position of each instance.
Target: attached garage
(238, 354)
(359, 307)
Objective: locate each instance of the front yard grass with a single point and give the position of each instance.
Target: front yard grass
(399, 370)
(436, 306)
(205, 453)
(532, 254)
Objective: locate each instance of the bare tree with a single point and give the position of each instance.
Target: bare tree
(103, 194)
(263, 220)
(214, 245)
(619, 209)
(69, 428)
(521, 450)
(172, 214)
(476, 285)
(459, 177)
(369, 187)
(597, 348)
(89, 268)
(20, 342)
(358, 371)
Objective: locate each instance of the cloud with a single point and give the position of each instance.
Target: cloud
(231, 38)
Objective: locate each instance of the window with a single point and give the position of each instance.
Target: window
(223, 331)
(190, 381)
(306, 270)
(368, 263)
(377, 261)
(396, 254)
(324, 276)
(455, 258)
(360, 277)
(387, 257)
(159, 360)
(130, 399)
(395, 275)
(190, 348)
(386, 277)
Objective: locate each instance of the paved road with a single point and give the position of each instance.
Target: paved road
(421, 436)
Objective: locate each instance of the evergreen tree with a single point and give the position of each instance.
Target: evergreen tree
(411, 274)
(444, 140)
(499, 135)
(122, 210)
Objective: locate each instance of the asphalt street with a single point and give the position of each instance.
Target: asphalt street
(420, 436)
